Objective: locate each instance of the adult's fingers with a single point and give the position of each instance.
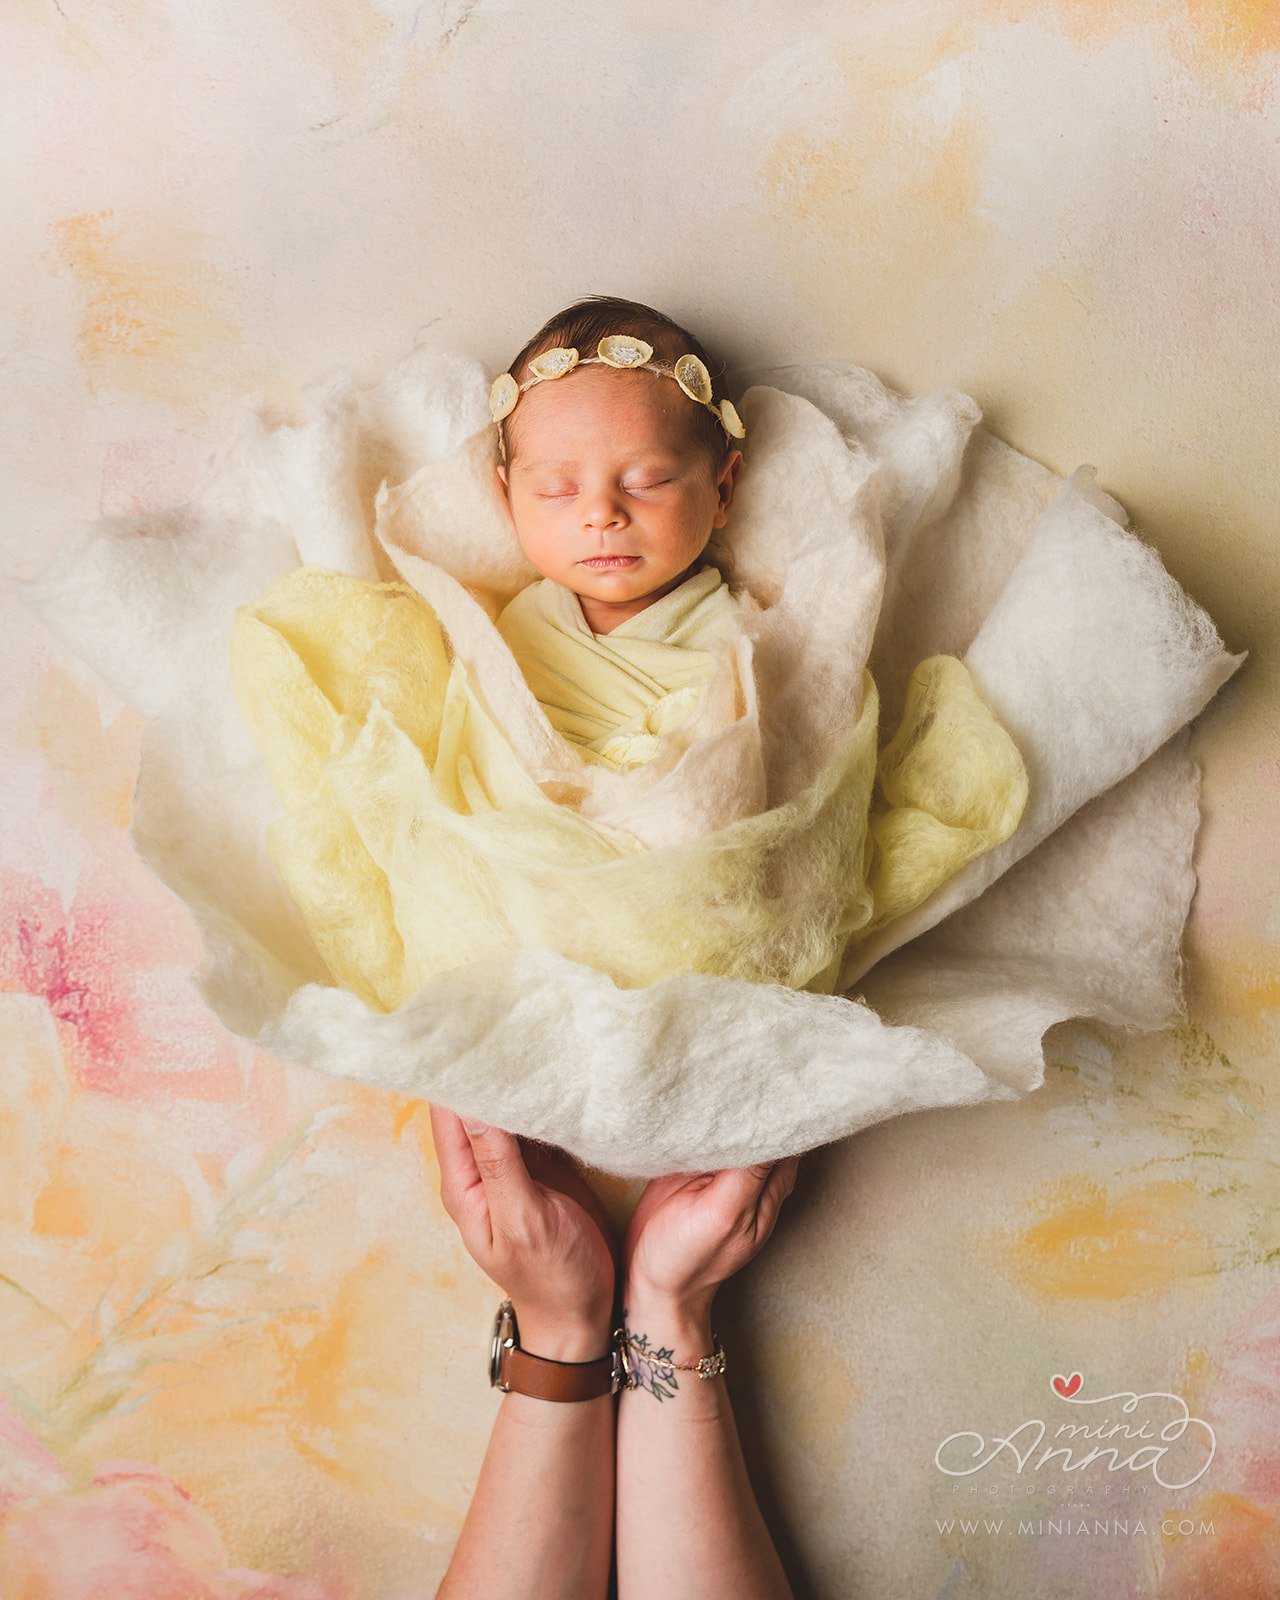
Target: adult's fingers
(453, 1158)
(753, 1195)
(780, 1182)
(743, 1186)
(479, 1162)
(787, 1172)
(508, 1187)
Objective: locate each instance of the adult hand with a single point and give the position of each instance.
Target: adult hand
(531, 1222)
(690, 1232)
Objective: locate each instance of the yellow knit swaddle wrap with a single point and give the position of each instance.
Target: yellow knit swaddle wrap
(413, 841)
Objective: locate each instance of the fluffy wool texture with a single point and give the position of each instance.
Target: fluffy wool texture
(873, 531)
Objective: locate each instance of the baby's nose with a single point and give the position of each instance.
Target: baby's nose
(603, 512)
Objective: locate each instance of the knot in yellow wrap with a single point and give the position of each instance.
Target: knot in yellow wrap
(413, 841)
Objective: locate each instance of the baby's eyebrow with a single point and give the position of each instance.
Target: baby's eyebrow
(643, 455)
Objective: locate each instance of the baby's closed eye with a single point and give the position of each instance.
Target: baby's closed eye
(631, 488)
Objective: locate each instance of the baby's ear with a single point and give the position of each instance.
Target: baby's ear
(501, 470)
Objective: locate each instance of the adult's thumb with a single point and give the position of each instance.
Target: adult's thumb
(742, 1186)
(500, 1163)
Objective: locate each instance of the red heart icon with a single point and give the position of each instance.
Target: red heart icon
(1066, 1387)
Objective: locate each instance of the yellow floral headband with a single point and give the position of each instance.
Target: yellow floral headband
(614, 350)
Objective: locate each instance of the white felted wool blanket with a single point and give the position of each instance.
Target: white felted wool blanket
(871, 530)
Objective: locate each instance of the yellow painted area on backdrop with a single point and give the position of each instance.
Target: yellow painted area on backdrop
(150, 303)
(92, 765)
(1092, 1243)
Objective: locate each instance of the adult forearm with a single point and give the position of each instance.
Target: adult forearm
(688, 1522)
(540, 1524)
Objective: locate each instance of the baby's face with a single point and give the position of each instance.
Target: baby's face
(605, 466)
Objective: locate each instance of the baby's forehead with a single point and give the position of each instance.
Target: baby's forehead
(616, 409)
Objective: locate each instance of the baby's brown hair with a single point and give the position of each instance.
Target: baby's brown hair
(583, 324)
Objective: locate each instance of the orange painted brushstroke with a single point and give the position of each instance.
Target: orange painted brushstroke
(1236, 28)
(1239, 1560)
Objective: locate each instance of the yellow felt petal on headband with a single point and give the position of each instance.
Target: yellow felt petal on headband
(624, 350)
(554, 363)
(692, 376)
(503, 394)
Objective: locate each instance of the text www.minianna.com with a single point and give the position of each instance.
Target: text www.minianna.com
(1184, 1527)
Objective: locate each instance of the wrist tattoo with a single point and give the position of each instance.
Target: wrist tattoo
(650, 1368)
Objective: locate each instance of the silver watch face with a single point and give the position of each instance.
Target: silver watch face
(504, 1338)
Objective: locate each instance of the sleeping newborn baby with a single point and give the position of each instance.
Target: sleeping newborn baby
(616, 474)
(415, 838)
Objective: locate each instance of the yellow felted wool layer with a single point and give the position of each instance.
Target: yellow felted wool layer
(954, 784)
(413, 841)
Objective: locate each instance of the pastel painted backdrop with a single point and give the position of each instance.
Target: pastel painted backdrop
(238, 1335)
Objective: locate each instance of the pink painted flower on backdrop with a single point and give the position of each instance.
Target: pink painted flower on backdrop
(1247, 1359)
(116, 975)
(133, 1534)
(1240, 1557)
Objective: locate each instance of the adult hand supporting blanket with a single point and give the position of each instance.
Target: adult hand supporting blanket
(874, 530)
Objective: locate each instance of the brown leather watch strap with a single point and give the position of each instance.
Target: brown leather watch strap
(520, 1371)
(557, 1380)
